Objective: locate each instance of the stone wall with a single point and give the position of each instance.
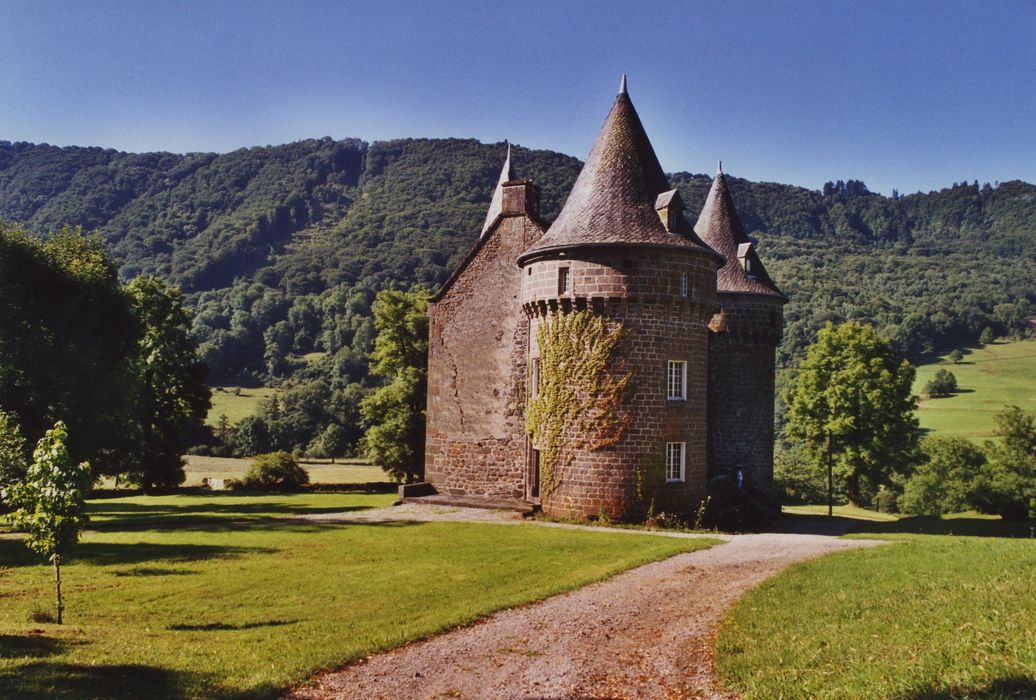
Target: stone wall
(478, 339)
(742, 348)
(640, 289)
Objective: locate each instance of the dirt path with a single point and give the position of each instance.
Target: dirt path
(642, 634)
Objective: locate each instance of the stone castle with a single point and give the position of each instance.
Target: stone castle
(700, 322)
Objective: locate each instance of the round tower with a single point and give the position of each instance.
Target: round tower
(743, 338)
(622, 252)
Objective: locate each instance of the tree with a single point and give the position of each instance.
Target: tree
(944, 383)
(50, 503)
(395, 412)
(1007, 485)
(333, 441)
(945, 480)
(852, 402)
(955, 356)
(12, 454)
(987, 336)
(275, 471)
(172, 390)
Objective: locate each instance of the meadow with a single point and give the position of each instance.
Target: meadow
(214, 596)
(946, 609)
(990, 378)
(321, 471)
(235, 402)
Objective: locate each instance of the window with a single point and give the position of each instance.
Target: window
(562, 280)
(534, 378)
(674, 456)
(677, 380)
(683, 284)
(748, 265)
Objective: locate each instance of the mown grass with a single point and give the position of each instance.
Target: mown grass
(236, 402)
(951, 614)
(321, 471)
(845, 511)
(990, 378)
(231, 604)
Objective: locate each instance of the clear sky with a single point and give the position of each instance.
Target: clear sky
(907, 95)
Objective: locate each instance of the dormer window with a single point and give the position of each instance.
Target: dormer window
(670, 208)
(745, 254)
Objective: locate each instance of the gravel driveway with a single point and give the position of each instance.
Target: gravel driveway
(645, 633)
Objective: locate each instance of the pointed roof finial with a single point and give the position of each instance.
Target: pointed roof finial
(719, 167)
(622, 85)
(497, 203)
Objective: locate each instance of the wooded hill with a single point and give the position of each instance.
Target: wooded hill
(281, 249)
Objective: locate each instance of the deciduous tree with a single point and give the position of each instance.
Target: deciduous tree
(50, 502)
(395, 412)
(852, 400)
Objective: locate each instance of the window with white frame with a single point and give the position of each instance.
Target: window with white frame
(562, 280)
(674, 461)
(683, 284)
(677, 380)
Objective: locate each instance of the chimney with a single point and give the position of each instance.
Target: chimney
(520, 197)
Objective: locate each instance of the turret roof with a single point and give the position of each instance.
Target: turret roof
(720, 227)
(613, 200)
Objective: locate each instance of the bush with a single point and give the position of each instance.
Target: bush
(956, 357)
(275, 471)
(944, 383)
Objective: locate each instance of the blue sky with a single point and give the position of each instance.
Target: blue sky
(907, 95)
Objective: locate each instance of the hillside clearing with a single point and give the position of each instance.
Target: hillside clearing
(236, 403)
(990, 378)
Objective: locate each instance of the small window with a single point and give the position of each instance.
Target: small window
(677, 380)
(748, 265)
(674, 460)
(534, 378)
(529, 273)
(674, 219)
(683, 284)
(562, 280)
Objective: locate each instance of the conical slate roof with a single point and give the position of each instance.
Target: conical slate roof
(497, 203)
(613, 200)
(720, 227)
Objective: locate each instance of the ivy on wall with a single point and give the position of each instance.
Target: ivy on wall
(581, 385)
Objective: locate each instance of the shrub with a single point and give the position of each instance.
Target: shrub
(955, 357)
(275, 471)
(944, 383)
(987, 336)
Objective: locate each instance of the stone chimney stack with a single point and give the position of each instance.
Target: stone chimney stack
(520, 197)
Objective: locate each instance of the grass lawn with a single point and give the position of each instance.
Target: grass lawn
(229, 604)
(948, 614)
(235, 406)
(990, 378)
(841, 511)
(320, 471)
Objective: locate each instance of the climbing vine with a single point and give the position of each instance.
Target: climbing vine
(581, 385)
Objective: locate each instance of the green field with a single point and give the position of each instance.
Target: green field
(236, 406)
(946, 611)
(990, 378)
(232, 604)
(321, 471)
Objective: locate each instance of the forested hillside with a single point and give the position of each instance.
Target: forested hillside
(281, 249)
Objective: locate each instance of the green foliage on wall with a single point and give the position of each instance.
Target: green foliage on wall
(582, 381)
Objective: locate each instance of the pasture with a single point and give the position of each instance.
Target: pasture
(321, 471)
(946, 610)
(236, 402)
(212, 596)
(990, 378)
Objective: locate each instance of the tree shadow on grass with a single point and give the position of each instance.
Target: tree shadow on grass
(225, 627)
(1008, 688)
(14, 553)
(17, 646)
(71, 681)
(960, 527)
